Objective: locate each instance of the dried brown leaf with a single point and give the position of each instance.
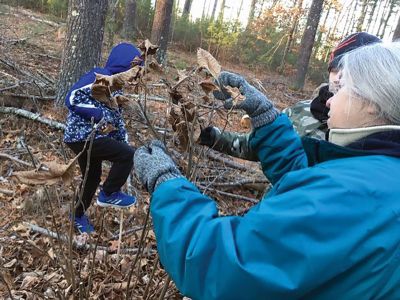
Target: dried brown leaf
(236, 96)
(156, 67)
(49, 174)
(29, 282)
(147, 47)
(207, 61)
(208, 86)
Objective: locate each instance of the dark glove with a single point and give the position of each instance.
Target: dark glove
(318, 106)
(209, 135)
(153, 165)
(260, 109)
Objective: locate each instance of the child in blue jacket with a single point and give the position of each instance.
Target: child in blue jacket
(87, 114)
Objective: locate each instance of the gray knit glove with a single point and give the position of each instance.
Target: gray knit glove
(154, 166)
(260, 109)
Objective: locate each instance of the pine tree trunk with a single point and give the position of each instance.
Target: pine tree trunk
(83, 42)
(110, 22)
(221, 12)
(291, 34)
(161, 27)
(385, 21)
(350, 20)
(377, 13)
(238, 13)
(214, 10)
(396, 34)
(383, 15)
(251, 13)
(129, 20)
(371, 14)
(187, 7)
(362, 16)
(307, 42)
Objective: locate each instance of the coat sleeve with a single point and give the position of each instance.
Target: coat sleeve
(283, 248)
(80, 103)
(279, 148)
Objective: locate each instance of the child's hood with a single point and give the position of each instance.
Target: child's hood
(121, 57)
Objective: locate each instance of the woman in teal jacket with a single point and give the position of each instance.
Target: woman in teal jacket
(329, 227)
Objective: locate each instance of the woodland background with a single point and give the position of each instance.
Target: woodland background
(282, 48)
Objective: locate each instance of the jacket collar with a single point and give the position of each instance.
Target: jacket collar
(344, 137)
(375, 142)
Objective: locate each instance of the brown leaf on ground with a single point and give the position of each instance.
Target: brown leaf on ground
(207, 61)
(148, 48)
(156, 67)
(50, 173)
(29, 282)
(208, 86)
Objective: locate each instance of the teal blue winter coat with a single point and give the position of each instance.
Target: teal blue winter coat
(328, 229)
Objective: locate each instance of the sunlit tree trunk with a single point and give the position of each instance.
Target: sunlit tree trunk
(83, 42)
(187, 7)
(362, 16)
(384, 20)
(161, 27)
(371, 14)
(396, 34)
(129, 20)
(222, 11)
(251, 13)
(307, 42)
(239, 11)
(292, 31)
(214, 9)
(351, 19)
(377, 15)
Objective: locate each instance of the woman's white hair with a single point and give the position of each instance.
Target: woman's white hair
(372, 73)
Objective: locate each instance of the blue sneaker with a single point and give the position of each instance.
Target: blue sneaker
(116, 199)
(83, 225)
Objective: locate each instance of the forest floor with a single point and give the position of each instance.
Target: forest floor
(40, 256)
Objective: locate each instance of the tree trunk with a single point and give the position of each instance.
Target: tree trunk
(371, 14)
(377, 13)
(221, 12)
(214, 10)
(385, 21)
(239, 11)
(84, 38)
(291, 34)
(251, 13)
(350, 19)
(161, 27)
(129, 20)
(396, 34)
(307, 42)
(362, 16)
(382, 17)
(186, 8)
(110, 22)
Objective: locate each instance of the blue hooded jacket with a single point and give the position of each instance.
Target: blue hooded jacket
(83, 107)
(329, 228)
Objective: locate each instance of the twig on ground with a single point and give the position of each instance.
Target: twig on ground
(3, 155)
(33, 116)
